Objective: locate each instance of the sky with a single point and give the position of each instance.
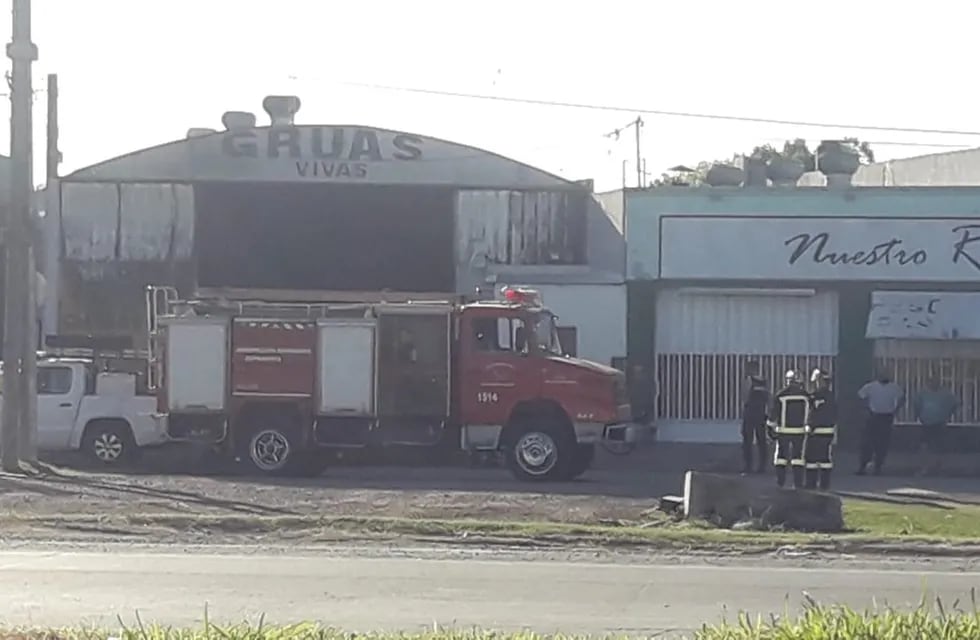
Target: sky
(136, 73)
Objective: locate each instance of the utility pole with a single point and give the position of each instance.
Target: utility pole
(640, 169)
(638, 124)
(18, 429)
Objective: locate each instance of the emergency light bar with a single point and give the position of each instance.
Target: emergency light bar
(522, 295)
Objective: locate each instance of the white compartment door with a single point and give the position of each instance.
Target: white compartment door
(346, 367)
(197, 364)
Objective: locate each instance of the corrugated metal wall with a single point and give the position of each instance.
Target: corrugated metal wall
(696, 322)
(704, 341)
(955, 362)
(105, 222)
(521, 228)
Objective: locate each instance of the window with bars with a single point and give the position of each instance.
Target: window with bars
(710, 386)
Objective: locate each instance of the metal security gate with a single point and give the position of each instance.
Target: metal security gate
(705, 337)
(956, 363)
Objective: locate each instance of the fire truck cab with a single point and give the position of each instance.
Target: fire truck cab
(277, 383)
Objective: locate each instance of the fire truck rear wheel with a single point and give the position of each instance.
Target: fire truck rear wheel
(541, 453)
(272, 450)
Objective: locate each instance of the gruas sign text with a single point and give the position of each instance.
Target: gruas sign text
(324, 153)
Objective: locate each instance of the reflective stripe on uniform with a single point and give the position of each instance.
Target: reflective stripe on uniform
(797, 462)
(812, 465)
(823, 465)
(791, 431)
(783, 402)
(780, 462)
(823, 431)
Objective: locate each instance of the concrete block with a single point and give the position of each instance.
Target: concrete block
(726, 500)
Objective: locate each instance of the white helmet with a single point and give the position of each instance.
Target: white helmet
(819, 375)
(791, 376)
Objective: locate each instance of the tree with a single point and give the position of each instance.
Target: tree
(796, 149)
(863, 149)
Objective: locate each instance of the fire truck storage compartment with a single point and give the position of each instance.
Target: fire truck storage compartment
(272, 358)
(197, 364)
(346, 355)
(413, 361)
(330, 237)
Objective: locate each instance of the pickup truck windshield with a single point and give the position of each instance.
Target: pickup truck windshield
(546, 333)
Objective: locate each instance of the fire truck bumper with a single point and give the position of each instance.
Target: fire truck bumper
(625, 432)
(618, 432)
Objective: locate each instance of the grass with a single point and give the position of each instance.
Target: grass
(927, 622)
(869, 524)
(945, 521)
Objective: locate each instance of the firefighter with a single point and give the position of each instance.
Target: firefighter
(788, 417)
(821, 432)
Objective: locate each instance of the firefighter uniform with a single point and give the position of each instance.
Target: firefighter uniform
(818, 450)
(788, 416)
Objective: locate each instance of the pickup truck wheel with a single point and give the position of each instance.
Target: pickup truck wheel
(109, 443)
(540, 454)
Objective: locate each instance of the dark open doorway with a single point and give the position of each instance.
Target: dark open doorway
(324, 237)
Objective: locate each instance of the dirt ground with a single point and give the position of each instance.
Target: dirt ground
(171, 483)
(410, 492)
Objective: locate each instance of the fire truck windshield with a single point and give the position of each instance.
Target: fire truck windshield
(546, 333)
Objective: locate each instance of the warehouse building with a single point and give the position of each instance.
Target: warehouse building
(839, 277)
(336, 211)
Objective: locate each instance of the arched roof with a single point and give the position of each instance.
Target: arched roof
(321, 153)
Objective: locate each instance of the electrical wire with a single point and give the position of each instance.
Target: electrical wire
(649, 111)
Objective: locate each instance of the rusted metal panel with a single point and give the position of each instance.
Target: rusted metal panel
(521, 228)
(705, 339)
(482, 219)
(150, 217)
(90, 221)
(182, 245)
(110, 222)
(273, 358)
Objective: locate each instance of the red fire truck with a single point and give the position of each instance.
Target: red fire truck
(277, 384)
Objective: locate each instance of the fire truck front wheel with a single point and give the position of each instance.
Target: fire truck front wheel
(541, 453)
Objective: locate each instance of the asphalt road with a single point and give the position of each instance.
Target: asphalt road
(406, 593)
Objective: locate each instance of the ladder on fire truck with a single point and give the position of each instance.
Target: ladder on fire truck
(160, 302)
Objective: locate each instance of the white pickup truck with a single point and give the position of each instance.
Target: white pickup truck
(97, 413)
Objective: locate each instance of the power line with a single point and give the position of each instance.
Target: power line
(647, 111)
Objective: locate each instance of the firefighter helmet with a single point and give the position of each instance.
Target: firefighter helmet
(819, 375)
(791, 376)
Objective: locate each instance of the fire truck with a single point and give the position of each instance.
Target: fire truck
(278, 384)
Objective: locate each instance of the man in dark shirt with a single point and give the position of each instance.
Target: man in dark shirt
(755, 400)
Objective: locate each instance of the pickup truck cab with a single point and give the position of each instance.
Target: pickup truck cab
(97, 413)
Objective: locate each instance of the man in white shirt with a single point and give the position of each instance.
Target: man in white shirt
(883, 398)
